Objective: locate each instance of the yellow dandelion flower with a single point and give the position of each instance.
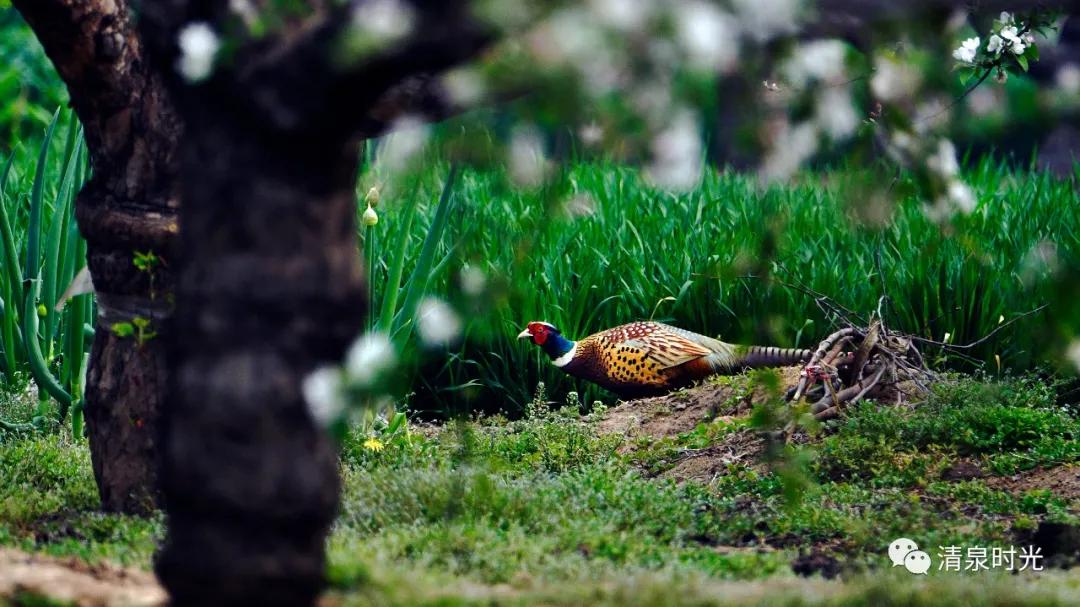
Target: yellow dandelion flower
(374, 444)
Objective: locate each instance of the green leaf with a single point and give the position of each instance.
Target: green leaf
(418, 280)
(122, 329)
(33, 238)
(1022, 60)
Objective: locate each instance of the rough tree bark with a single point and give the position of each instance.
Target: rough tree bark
(269, 287)
(129, 204)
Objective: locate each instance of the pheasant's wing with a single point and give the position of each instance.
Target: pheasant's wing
(667, 348)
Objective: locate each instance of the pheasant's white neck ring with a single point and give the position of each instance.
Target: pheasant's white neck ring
(565, 359)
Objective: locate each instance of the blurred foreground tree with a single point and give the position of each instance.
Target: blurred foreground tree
(267, 279)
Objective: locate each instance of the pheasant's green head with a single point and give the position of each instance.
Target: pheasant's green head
(548, 337)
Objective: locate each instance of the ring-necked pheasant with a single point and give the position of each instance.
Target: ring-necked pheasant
(650, 358)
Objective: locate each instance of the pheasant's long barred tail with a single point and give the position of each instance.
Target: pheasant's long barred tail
(769, 356)
(650, 358)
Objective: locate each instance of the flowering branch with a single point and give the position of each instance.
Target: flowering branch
(1012, 44)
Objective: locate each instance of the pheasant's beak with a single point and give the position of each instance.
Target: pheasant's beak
(524, 334)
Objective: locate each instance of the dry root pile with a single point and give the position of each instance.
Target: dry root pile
(856, 363)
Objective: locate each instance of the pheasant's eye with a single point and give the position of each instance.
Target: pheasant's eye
(539, 333)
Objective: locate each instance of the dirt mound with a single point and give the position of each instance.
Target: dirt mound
(1063, 481)
(682, 411)
(26, 578)
(722, 398)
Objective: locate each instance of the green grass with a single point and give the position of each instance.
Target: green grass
(507, 511)
(635, 246)
(961, 418)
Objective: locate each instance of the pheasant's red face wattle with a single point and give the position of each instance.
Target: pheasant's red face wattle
(539, 332)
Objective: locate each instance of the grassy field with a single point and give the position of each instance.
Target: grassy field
(601, 248)
(548, 510)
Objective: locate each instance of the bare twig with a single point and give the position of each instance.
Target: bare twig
(982, 339)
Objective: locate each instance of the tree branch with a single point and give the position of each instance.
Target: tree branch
(301, 82)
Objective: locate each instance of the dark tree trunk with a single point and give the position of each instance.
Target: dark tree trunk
(269, 287)
(129, 205)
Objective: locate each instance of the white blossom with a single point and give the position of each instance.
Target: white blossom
(383, 21)
(1040, 261)
(1005, 18)
(967, 50)
(580, 205)
(1016, 44)
(369, 357)
(465, 86)
(894, 80)
(1073, 353)
(569, 37)
(528, 164)
(789, 149)
(995, 44)
(653, 100)
(958, 198)
(708, 35)
(1068, 79)
(322, 393)
(677, 162)
(834, 112)
(407, 137)
(473, 281)
(625, 15)
(437, 323)
(961, 196)
(821, 60)
(984, 101)
(245, 10)
(943, 161)
(764, 19)
(199, 45)
(591, 134)
(931, 114)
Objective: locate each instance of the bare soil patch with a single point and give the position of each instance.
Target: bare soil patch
(25, 577)
(1062, 481)
(682, 411)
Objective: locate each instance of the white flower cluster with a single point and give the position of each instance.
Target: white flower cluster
(1007, 37)
(635, 50)
(819, 67)
(967, 50)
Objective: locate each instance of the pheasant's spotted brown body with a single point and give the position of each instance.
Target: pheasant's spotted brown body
(649, 358)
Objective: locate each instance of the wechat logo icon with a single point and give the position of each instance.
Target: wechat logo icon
(906, 553)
